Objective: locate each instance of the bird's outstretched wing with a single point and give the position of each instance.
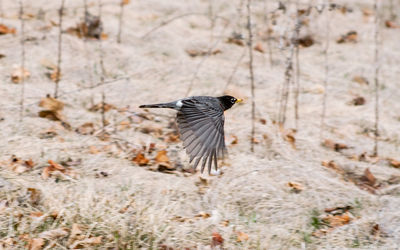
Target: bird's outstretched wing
(201, 127)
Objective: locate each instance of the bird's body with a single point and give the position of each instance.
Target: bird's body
(201, 126)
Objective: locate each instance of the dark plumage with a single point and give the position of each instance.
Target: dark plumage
(201, 126)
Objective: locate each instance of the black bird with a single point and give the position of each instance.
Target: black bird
(201, 126)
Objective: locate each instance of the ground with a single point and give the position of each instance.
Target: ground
(300, 188)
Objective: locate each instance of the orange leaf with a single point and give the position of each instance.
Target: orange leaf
(5, 30)
(36, 244)
(217, 240)
(162, 156)
(259, 48)
(369, 177)
(56, 165)
(140, 159)
(46, 172)
(19, 74)
(242, 237)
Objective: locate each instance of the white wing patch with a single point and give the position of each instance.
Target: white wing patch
(179, 104)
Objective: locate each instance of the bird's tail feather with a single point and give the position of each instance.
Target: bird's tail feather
(159, 105)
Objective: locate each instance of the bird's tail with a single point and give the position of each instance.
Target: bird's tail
(170, 105)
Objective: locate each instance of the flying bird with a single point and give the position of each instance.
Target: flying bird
(201, 126)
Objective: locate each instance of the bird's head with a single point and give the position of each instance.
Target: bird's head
(228, 101)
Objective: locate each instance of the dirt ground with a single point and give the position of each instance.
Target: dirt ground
(285, 195)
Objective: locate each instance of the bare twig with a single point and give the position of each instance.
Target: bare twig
(164, 23)
(376, 75)
(103, 113)
(251, 71)
(326, 59)
(297, 79)
(121, 13)
(208, 54)
(58, 73)
(101, 54)
(22, 41)
(235, 69)
(266, 20)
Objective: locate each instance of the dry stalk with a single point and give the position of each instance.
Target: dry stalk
(103, 112)
(251, 71)
(22, 41)
(376, 75)
(235, 69)
(326, 78)
(121, 13)
(59, 53)
(297, 52)
(266, 20)
(101, 53)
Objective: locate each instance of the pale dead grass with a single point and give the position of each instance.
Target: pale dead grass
(136, 208)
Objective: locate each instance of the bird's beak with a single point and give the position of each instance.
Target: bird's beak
(239, 100)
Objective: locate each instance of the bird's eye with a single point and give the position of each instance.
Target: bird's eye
(233, 100)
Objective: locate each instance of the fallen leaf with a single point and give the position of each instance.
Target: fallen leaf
(367, 12)
(54, 234)
(86, 129)
(125, 2)
(263, 121)
(259, 47)
(338, 220)
(236, 38)
(198, 52)
(36, 214)
(85, 242)
(349, 37)
(338, 210)
(394, 163)
(46, 173)
(19, 74)
(242, 237)
(34, 196)
(92, 27)
(288, 135)
(29, 163)
(203, 215)
(217, 240)
(360, 79)
(2, 56)
(391, 24)
(162, 156)
(333, 165)
(93, 150)
(56, 165)
(296, 187)
(358, 101)
(36, 244)
(234, 140)
(99, 107)
(306, 41)
(369, 177)
(52, 109)
(334, 145)
(6, 30)
(140, 159)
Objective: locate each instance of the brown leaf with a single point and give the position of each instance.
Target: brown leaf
(36, 244)
(46, 172)
(367, 12)
(203, 215)
(89, 241)
(6, 30)
(334, 145)
(259, 47)
(306, 41)
(36, 214)
(338, 210)
(236, 38)
(29, 163)
(56, 165)
(86, 129)
(19, 74)
(125, 2)
(92, 27)
(338, 220)
(369, 177)
(242, 237)
(296, 187)
(34, 196)
(198, 52)
(140, 159)
(54, 233)
(76, 231)
(217, 240)
(288, 135)
(162, 156)
(358, 101)
(349, 37)
(234, 140)
(361, 80)
(391, 24)
(333, 165)
(93, 150)
(52, 104)
(263, 121)
(394, 163)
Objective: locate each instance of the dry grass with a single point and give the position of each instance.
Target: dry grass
(133, 207)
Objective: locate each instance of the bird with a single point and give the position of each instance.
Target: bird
(200, 121)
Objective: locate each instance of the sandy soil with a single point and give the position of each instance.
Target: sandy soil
(250, 204)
